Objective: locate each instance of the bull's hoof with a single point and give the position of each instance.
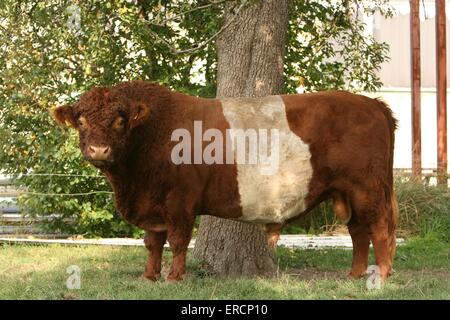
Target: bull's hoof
(174, 278)
(150, 277)
(385, 276)
(357, 274)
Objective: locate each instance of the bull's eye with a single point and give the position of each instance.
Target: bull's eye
(119, 123)
(82, 122)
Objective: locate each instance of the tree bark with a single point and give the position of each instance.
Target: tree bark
(250, 64)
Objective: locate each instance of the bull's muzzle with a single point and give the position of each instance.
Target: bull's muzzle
(99, 153)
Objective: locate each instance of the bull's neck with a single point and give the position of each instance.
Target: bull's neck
(149, 151)
(143, 156)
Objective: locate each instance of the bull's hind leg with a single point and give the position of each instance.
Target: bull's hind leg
(371, 222)
(381, 240)
(273, 231)
(358, 231)
(154, 241)
(360, 239)
(382, 232)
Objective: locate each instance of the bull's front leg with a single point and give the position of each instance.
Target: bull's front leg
(179, 220)
(154, 241)
(179, 236)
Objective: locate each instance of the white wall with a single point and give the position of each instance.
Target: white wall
(396, 32)
(400, 102)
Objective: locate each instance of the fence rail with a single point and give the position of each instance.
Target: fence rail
(12, 220)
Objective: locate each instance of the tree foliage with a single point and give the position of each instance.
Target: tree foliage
(329, 48)
(46, 61)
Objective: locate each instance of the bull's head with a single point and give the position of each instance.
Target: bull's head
(104, 120)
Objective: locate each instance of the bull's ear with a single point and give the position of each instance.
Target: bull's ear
(65, 116)
(139, 114)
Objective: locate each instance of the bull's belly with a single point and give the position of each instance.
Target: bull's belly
(284, 208)
(275, 198)
(270, 196)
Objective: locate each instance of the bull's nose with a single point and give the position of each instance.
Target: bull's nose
(99, 153)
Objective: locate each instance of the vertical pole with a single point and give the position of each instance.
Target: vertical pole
(441, 85)
(415, 89)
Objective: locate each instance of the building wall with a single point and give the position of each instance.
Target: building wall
(396, 32)
(396, 77)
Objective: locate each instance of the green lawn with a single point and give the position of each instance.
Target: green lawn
(39, 272)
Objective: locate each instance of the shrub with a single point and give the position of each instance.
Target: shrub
(423, 209)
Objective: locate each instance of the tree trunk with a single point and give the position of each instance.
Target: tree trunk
(250, 63)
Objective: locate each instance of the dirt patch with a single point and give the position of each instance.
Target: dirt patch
(437, 273)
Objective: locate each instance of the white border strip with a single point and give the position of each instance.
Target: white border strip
(290, 241)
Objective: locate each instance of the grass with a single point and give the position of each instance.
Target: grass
(39, 272)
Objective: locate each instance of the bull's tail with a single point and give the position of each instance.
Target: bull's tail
(391, 201)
